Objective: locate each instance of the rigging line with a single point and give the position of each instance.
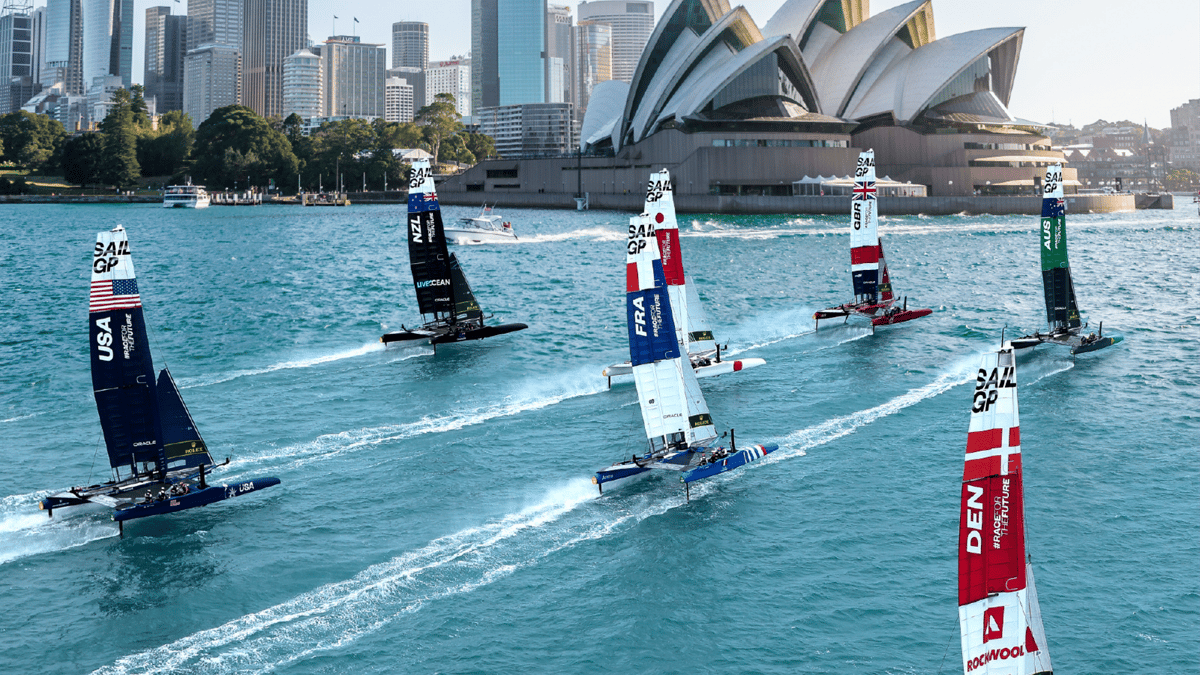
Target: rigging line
(945, 654)
(93, 466)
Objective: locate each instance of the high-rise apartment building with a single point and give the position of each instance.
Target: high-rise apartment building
(508, 44)
(450, 77)
(16, 57)
(64, 45)
(560, 64)
(398, 100)
(273, 30)
(107, 42)
(211, 77)
(410, 44)
(593, 61)
(632, 23)
(302, 85)
(415, 77)
(354, 73)
(166, 46)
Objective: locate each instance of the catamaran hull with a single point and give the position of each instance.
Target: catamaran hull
(900, 317)
(712, 370)
(1077, 344)
(191, 500)
(446, 336)
(737, 459)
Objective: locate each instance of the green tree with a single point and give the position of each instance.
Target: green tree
(137, 103)
(120, 166)
(439, 120)
(30, 141)
(480, 145)
(343, 148)
(165, 152)
(455, 150)
(262, 153)
(1182, 179)
(82, 158)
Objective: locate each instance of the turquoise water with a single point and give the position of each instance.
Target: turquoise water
(436, 513)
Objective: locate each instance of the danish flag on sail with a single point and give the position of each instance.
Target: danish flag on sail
(998, 613)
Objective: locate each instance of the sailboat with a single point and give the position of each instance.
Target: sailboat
(158, 458)
(681, 433)
(873, 297)
(691, 323)
(443, 292)
(998, 613)
(1062, 313)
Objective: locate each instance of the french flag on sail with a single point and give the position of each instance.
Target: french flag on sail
(111, 294)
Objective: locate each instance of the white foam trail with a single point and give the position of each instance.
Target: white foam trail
(530, 396)
(589, 233)
(26, 531)
(189, 382)
(22, 417)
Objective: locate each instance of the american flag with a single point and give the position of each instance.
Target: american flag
(114, 294)
(864, 189)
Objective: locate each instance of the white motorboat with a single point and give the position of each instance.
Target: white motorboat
(485, 227)
(185, 197)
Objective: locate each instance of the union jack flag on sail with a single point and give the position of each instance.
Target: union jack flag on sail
(864, 189)
(110, 294)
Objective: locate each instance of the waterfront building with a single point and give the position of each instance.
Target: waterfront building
(593, 61)
(107, 41)
(1185, 135)
(398, 100)
(416, 78)
(736, 109)
(508, 43)
(302, 78)
(211, 76)
(272, 31)
(560, 63)
(410, 44)
(632, 23)
(450, 77)
(166, 46)
(529, 129)
(354, 74)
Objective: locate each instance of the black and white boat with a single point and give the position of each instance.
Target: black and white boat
(451, 312)
(159, 461)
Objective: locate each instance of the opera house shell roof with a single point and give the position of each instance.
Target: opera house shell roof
(815, 62)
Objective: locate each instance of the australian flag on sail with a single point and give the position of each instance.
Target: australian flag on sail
(110, 294)
(864, 189)
(419, 202)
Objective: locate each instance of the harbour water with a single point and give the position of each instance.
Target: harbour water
(436, 513)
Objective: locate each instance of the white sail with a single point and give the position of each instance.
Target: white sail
(660, 207)
(999, 620)
(699, 333)
(668, 393)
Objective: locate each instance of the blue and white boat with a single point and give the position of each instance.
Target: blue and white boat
(681, 433)
(159, 460)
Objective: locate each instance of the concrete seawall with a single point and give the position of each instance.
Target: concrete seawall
(933, 206)
(81, 199)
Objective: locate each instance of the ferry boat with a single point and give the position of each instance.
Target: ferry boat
(185, 197)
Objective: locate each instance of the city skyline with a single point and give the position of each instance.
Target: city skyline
(1157, 69)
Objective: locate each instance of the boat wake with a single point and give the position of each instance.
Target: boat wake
(368, 348)
(525, 397)
(25, 531)
(787, 325)
(589, 233)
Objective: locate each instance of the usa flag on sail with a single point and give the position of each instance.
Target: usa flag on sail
(111, 294)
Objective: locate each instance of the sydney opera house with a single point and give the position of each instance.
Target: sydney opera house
(732, 108)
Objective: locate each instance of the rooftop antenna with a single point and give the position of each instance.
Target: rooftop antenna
(17, 7)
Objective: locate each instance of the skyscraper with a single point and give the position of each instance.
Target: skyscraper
(410, 44)
(398, 100)
(354, 74)
(559, 62)
(216, 22)
(39, 43)
(16, 56)
(64, 44)
(165, 49)
(632, 23)
(107, 41)
(212, 65)
(273, 30)
(593, 61)
(450, 77)
(415, 78)
(508, 43)
(302, 85)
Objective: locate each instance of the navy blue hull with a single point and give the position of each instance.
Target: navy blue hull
(193, 499)
(736, 460)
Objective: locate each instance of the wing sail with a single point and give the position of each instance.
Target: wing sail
(865, 252)
(668, 393)
(182, 444)
(465, 305)
(427, 252)
(660, 206)
(122, 367)
(995, 593)
(1061, 309)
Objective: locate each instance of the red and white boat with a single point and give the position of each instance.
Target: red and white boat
(998, 611)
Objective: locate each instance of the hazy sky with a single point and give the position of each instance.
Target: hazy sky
(1081, 60)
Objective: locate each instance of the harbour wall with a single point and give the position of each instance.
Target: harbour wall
(759, 204)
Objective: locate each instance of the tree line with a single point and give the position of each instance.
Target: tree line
(235, 147)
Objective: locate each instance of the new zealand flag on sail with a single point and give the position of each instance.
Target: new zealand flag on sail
(419, 202)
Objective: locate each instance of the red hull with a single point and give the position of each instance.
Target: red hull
(900, 316)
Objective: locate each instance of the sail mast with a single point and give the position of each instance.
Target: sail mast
(865, 251)
(1001, 630)
(1061, 310)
